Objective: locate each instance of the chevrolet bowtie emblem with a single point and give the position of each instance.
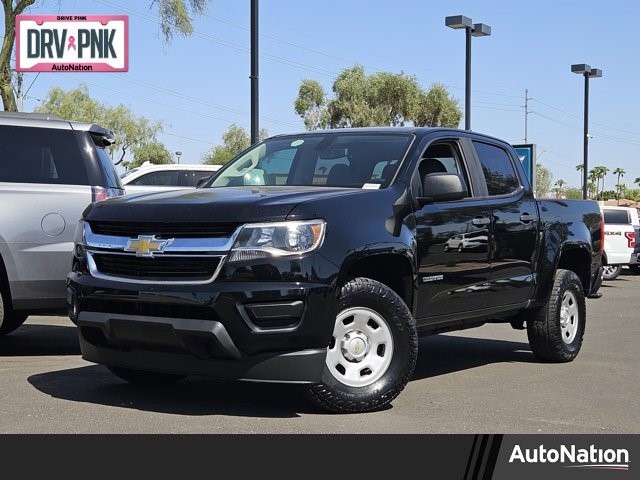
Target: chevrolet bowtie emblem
(146, 245)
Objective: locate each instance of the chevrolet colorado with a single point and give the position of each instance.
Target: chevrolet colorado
(319, 258)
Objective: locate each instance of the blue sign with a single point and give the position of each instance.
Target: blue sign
(526, 154)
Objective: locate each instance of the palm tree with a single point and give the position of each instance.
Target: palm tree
(559, 184)
(603, 174)
(594, 177)
(580, 168)
(592, 188)
(620, 172)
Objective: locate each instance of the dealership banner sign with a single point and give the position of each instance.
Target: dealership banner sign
(72, 43)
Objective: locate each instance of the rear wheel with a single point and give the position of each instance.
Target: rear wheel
(9, 320)
(555, 332)
(142, 377)
(373, 350)
(611, 272)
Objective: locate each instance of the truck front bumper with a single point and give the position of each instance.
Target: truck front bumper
(192, 342)
(275, 332)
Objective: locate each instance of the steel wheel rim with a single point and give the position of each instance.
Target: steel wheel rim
(569, 317)
(361, 349)
(609, 270)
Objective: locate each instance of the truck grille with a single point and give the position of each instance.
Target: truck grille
(159, 268)
(163, 230)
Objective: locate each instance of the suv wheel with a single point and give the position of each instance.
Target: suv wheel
(611, 272)
(9, 320)
(142, 377)
(372, 353)
(555, 332)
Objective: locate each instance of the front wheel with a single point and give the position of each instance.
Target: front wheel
(146, 378)
(555, 332)
(373, 350)
(611, 272)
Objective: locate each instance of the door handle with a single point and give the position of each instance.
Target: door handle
(481, 221)
(526, 218)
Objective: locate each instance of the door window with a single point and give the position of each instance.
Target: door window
(498, 169)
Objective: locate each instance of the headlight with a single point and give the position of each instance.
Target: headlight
(266, 240)
(79, 240)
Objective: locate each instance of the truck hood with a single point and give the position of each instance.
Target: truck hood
(228, 205)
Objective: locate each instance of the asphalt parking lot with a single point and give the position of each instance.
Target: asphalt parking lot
(476, 381)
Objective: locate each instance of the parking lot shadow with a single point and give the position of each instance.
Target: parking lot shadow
(442, 354)
(192, 396)
(40, 340)
(438, 355)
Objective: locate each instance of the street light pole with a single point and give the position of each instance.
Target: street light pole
(587, 72)
(255, 128)
(467, 81)
(471, 30)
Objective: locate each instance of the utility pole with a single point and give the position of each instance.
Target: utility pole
(526, 114)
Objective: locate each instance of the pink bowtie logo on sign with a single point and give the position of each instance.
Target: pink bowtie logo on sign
(72, 43)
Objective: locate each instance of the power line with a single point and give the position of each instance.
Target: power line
(235, 46)
(594, 123)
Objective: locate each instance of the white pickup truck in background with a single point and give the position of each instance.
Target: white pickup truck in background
(620, 226)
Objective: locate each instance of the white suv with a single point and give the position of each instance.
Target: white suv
(149, 178)
(621, 224)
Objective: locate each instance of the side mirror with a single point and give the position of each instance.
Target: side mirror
(443, 187)
(202, 181)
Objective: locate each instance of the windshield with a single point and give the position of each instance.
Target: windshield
(333, 159)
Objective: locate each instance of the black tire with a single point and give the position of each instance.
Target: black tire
(142, 377)
(635, 268)
(612, 273)
(460, 247)
(544, 326)
(338, 397)
(9, 320)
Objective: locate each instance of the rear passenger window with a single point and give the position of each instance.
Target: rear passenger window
(40, 155)
(616, 217)
(498, 169)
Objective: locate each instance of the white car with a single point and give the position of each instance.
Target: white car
(620, 225)
(467, 241)
(150, 178)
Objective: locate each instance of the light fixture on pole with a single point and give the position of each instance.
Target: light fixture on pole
(178, 154)
(472, 30)
(588, 72)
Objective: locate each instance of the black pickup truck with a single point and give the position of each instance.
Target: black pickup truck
(319, 258)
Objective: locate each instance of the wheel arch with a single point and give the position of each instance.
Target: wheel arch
(395, 270)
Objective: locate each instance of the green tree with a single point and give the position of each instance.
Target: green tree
(12, 9)
(234, 141)
(573, 193)
(580, 168)
(637, 181)
(558, 187)
(153, 152)
(602, 174)
(131, 131)
(379, 99)
(619, 187)
(175, 18)
(544, 177)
